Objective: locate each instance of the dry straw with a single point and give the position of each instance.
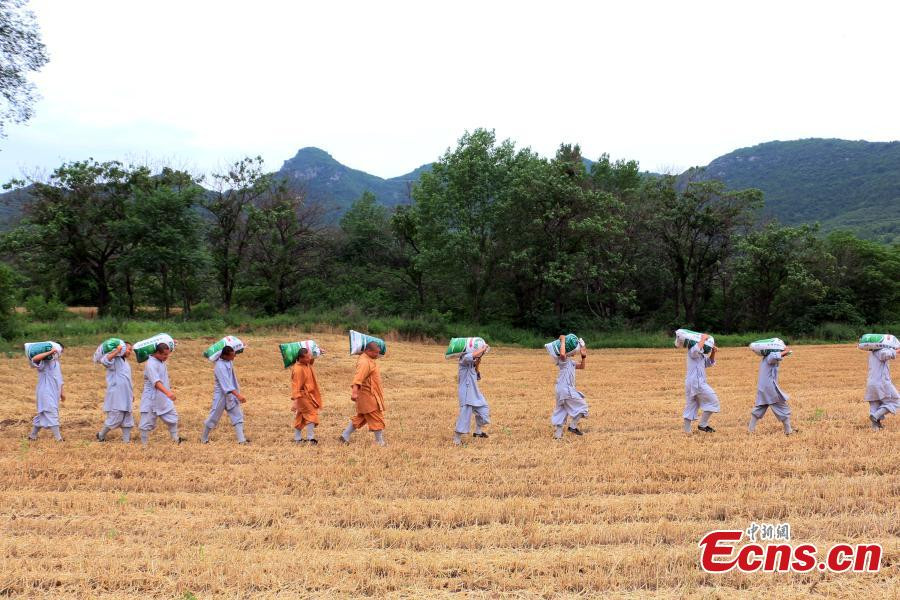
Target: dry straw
(617, 512)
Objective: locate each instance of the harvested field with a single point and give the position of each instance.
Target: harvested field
(617, 512)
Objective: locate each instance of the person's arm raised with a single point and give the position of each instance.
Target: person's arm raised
(583, 357)
(562, 348)
(37, 358)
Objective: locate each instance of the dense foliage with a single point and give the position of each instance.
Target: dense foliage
(494, 235)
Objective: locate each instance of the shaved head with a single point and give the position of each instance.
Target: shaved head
(373, 350)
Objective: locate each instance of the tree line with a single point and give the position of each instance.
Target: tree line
(492, 234)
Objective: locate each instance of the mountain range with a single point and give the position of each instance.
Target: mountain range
(838, 183)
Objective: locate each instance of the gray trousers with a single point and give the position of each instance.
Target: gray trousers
(119, 418)
(148, 419)
(482, 417)
(781, 409)
(234, 413)
(46, 419)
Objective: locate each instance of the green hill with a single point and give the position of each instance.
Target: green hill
(326, 180)
(838, 183)
(12, 206)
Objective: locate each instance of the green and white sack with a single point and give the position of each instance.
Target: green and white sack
(144, 348)
(685, 338)
(213, 352)
(460, 346)
(291, 350)
(359, 341)
(32, 349)
(878, 341)
(767, 346)
(573, 344)
(108, 346)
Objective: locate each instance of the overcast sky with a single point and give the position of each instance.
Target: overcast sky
(386, 86)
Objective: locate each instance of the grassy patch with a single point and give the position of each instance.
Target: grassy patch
(77, 330)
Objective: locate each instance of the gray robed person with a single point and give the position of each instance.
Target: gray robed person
(881, 394)
(158, 398)
(698, 393)
(570, 403)
(227, 397)
(48, 393)
(769, 394)
(119, 394)
(471, 400)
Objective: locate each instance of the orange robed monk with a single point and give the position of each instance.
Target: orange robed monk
(366, 392)
(306, 398)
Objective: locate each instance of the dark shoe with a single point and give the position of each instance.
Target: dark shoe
(100, 439)
(313, 442)
(180, 439)
(576, 431)
(793, 431)
(344, 441)
(300, 442)
(480, 435)
(204, 442)
(707, 429)
(876, 422)
(243, 443)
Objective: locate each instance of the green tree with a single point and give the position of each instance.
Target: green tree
(869, 272)
(8, 288)
(21, 52)
(696, 223)
(242, 186)
(367, 227)
(619, 178)
(459, 213)
(74, 221)
(405, 227)
(775, 271)
(167, 236)
(285, 247)
(379, 250)
(558, 241)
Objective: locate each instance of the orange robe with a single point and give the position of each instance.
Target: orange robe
(306, 395)
(370, 400)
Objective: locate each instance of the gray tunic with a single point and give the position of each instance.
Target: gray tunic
(767, 389)
(695, 380)
(153, 400)
(119, 393)
(565, 381)
(878, 384)
(49, 384)
(225, 382)
(469, 394)
(569, 401)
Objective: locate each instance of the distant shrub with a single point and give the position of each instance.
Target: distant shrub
(44, 309)
(203, 311)
(9, 323)
(432, 325)
(834, 332)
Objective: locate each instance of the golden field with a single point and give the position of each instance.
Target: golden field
(615, 513)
